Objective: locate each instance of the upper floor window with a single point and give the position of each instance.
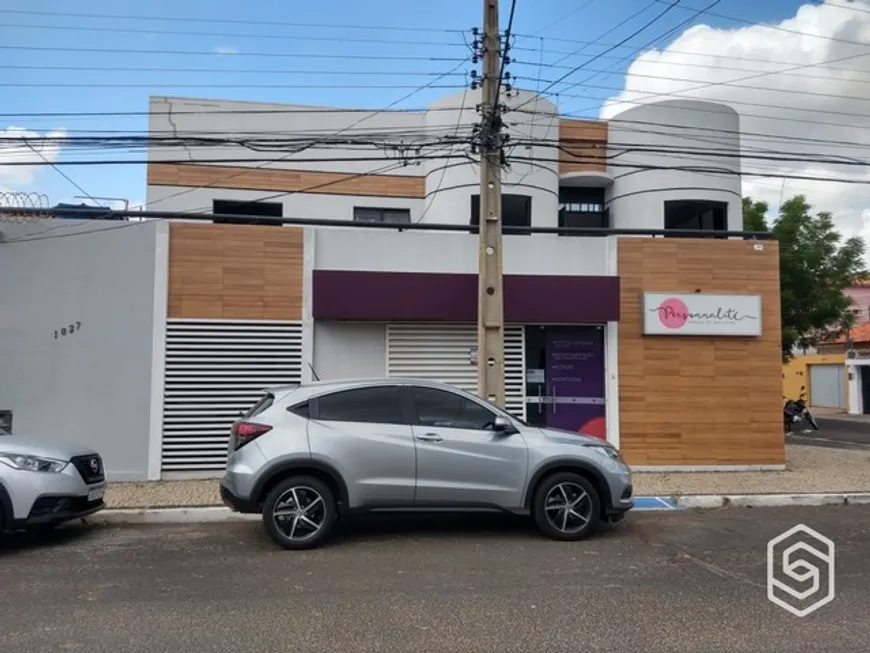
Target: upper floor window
(516, 211)
(581, 208)
(252, 212)
(372, 214)
(699, 215)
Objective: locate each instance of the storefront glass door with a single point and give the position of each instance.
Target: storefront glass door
(565, 383)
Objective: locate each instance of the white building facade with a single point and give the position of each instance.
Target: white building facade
(252, 301)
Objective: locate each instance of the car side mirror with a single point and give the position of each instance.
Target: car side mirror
(503, 425)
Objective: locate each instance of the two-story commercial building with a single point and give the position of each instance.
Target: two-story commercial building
(150, 337)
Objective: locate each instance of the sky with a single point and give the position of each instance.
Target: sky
(98, 56)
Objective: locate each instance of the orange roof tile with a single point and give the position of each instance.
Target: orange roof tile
(859, 333)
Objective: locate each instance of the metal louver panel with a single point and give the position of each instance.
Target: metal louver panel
(441, 352)
(214, 370)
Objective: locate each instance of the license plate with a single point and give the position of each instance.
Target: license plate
(96, 493)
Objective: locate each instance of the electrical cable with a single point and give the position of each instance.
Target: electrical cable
(562, 19)
(279, 37)
(444, 168)
(198, 20)
(778, 28)
(59, 171)
(210, 53)
(646, 25)
(352, 125)
(643, 48)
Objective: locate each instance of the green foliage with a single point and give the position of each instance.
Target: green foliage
(816, 266)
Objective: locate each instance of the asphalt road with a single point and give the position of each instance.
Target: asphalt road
(663, 581)
(834, 433)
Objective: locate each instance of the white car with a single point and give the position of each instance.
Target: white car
(43, 485)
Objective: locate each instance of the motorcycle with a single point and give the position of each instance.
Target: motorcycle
(795, 410)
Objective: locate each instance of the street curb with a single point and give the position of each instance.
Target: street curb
(188, 515)
(211, 514)
(769, 500)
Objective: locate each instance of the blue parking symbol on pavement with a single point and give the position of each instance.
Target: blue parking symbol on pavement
(654, 503)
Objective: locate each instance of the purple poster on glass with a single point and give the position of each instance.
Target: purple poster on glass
(575, 380)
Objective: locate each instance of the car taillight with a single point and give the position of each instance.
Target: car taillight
(244, 432)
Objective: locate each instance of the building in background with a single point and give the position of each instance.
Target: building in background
(653, 343)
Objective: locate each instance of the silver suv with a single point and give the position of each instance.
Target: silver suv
(306, 454)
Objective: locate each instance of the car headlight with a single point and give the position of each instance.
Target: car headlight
(610, 452)
(32, 463)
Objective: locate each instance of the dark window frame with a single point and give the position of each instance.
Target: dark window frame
(693, 210)
(507, 218)
(260, 213)
(382, 213)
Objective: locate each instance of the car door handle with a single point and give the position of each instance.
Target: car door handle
(429, 437)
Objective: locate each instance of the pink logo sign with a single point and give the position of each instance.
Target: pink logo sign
(673, 313)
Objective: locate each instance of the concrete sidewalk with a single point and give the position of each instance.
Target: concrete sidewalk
(809, 470)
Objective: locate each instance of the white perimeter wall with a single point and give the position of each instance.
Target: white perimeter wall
(93, 386)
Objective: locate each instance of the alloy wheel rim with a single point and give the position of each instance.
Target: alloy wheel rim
(299, 513)
(568, 508)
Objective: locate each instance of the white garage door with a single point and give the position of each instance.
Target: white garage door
(440, 352)
(828, 386)
(215, 369)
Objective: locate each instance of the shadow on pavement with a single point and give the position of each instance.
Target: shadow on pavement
(380, 526)
(12, 543)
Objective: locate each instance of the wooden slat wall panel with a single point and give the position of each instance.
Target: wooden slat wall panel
(238, 272)
(594, 132)
(269, 179)
(697, 400)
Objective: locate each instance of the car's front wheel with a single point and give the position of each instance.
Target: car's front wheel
(566, 507)
(300, 512)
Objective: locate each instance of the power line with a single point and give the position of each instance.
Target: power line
(647, 44)
(835, 96)
(211, 53)
(270, 23)
(206, 112)
(279, 37)
(778, 28)
(852, 7)
(562, 19)
(632, 16)
(160, 85)
(59, 171)
(234, 71)
(710, 170)
(366, 117)
(628, 38)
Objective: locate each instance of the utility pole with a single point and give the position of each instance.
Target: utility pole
(490, 311)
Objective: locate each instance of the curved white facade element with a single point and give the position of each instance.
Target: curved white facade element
(449, 189)
(673, 133)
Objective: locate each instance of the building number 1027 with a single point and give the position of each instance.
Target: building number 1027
(67, 330)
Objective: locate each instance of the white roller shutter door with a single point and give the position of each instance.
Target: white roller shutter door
(214, 370)
(440, 352)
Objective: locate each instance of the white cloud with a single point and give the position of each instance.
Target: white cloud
(22, 153)
(798, 109)
(225, 50)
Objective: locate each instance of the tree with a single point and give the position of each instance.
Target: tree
(816, 266)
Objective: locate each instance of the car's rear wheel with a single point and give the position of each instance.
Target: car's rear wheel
(566, 507)
(300, 512)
